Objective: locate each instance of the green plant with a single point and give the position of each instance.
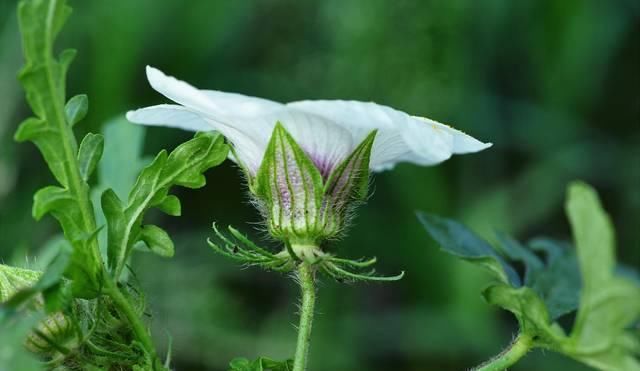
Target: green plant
(584, 279)
(98, 314)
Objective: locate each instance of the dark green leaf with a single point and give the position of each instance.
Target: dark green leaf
(558, 284)
(76, 109)
(457, 240)
(515, 251)
(89, 154)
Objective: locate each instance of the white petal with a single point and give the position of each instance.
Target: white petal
(401, 137)
(170, 115)
(180, 117)
(180, 92)
(462, 143)
(325, 142)
(238, 105)
(235, 116)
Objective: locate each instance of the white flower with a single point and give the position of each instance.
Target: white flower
(308, 162)
(327, 130)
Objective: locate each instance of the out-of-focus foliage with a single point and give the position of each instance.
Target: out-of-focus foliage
(608, 305)
(554, 84)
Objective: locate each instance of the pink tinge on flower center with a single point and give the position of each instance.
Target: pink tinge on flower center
(324, 165)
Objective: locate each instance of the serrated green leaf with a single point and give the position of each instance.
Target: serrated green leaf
(157, 240)
(188, 162)
(89, 154)
(457, 240)
(76, 108)
(44, 80)
(184, 166)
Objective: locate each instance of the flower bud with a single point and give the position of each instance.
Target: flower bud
(301, 206)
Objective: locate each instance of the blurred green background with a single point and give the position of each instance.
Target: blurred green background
(553, 84)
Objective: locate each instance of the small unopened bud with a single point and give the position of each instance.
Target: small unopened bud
(301, 206)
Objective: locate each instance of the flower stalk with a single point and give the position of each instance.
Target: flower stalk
(306, 279)
(512, 354)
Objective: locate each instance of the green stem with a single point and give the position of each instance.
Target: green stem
(124, 306)
(307, 286)
(512, 354)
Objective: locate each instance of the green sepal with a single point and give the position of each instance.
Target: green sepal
(350, 180)
(76, 109)
(290, 185)
(184, 167)
(89, 154)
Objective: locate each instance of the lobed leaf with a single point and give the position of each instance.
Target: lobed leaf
(44, 80)
(185, 167)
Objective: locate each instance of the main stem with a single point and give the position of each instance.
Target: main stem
(307, 287)
(518, 348)
(124, 306)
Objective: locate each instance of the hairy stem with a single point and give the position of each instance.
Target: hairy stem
(307, 287)
(124, 306)
(512, 354)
